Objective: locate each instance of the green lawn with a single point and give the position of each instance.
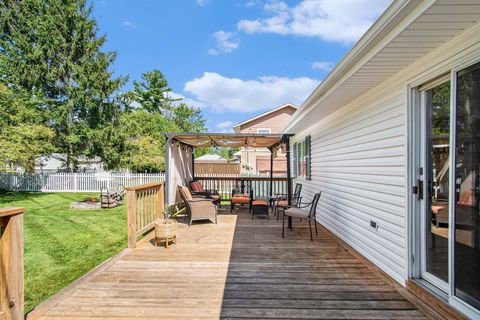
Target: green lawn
(62, 244)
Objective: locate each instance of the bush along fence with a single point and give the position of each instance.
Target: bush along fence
(74, 182)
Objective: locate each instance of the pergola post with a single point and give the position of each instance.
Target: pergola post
(193, 163)
(271, 172)
(286, 140)
(168, 171)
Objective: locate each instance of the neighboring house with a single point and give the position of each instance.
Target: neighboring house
(253, 159)
(56, 163)
(392, 140)
(211, 158)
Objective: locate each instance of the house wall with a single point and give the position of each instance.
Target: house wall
(360, 160)
(273, 121)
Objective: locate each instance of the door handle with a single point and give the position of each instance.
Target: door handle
(420, 189)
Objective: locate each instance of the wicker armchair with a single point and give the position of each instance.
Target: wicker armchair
(198, 208)
(197, 189)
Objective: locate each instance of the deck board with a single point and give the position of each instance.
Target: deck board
(236, 269)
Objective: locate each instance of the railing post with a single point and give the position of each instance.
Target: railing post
(160, 205)
(132, 230)
(11, 263)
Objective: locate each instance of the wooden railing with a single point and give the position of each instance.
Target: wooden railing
(11, 262)
(259, 185)
(145, 204)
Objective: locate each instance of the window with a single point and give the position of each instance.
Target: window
(263, 131)
(302, 158)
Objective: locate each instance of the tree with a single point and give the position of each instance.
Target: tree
(188, 119)
(51, 49)
(23, 136)
(149, 113)
(153, 93)
(144, 143)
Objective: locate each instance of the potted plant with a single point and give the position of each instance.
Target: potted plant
(166, 229)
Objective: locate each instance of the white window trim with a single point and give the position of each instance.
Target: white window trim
(266, 129)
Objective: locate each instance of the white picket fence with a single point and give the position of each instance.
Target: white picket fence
(74, 182)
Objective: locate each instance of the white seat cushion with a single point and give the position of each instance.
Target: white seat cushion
(297, 213)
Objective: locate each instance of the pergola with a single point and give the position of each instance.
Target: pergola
(180, 165)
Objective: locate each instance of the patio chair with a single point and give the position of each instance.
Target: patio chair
(197, 189)
(302, 213)
(281, 201)
(198, 208)
(239, 197)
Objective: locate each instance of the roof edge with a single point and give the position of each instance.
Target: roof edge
(372, 37)
(266, 113)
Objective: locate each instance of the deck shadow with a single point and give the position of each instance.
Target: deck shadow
(273, 278)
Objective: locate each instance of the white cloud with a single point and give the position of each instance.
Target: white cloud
(341, 21)
(322, 65)
(225, 124)
(188, 101)
(212, 52)
(226, 41)
(236, 95)
(127, 23)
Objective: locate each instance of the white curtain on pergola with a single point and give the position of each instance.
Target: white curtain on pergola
(179, 170)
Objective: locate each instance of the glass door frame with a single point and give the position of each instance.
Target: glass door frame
(423, 159)
(413, 118)
(455, 301)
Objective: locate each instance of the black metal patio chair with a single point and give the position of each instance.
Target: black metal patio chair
(302, 213)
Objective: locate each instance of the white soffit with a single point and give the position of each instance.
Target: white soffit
(426, 31)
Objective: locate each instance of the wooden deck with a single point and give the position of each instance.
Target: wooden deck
(236, 269)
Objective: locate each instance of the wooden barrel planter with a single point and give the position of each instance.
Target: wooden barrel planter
(165, 230)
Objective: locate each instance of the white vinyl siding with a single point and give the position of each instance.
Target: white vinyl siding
(359, 158)
(358, 162)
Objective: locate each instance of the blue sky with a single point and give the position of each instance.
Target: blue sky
(234, 59)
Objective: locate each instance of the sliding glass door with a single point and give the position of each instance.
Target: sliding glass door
(466, 250)
(447, 187)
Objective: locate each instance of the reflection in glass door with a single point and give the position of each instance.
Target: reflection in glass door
(435, 183)
(467, 187)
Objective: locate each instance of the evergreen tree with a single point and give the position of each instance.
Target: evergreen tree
(51, 49)
(153, 93)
